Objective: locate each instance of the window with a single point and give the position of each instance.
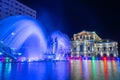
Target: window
(81, 48)
(83, 37)
(104, 48)
(91, 37)
(110, 48)
(87, 38)
(98, 49)
(80, 37)
(74, 48)
(88, 48)
(77, 39)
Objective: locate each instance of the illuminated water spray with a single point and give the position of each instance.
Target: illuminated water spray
(17, 31)
(28, 40)
(61, 45)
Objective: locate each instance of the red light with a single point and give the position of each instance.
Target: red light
(80, 58)
(104, 58)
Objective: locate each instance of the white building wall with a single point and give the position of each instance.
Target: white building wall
(13, 7)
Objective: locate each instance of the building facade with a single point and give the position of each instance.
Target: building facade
(106, 48)
(13, 7)
(90, 44)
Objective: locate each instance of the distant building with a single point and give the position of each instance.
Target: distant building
(13, 7)
(106, 48)
(90, 44)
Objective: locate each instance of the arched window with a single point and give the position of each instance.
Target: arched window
(88, 48)
(104, 48)
(98, 49)
(110, 48)
(80, 36)
(77, 38)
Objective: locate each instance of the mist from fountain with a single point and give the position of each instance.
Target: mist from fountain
(61, 45)
(29, 40)
(18, 32)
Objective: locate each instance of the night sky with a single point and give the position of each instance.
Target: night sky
(73, 16)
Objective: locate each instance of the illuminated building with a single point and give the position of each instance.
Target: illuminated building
(88, 44)
(106, 48)
(14, 7)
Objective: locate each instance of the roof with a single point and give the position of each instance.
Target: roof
(97, 38)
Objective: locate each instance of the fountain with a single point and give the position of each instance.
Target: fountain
(23, 34)
(60, 45)
(27, 40)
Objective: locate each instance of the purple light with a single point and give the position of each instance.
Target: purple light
(80, 58)
(86, 58)
(22, 60)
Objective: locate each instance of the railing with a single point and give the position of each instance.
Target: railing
(7, 51)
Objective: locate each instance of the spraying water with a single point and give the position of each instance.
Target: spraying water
(17, 31)
(61, 45)
(29, 39)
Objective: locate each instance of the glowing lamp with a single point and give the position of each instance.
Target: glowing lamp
(104, 58)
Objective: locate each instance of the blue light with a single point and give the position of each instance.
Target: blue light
(14, 31)
(29, 60)
(19, 54)
(97, 58)
(117, 58)
(1, 53)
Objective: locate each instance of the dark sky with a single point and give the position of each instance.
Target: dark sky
(73, 16)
